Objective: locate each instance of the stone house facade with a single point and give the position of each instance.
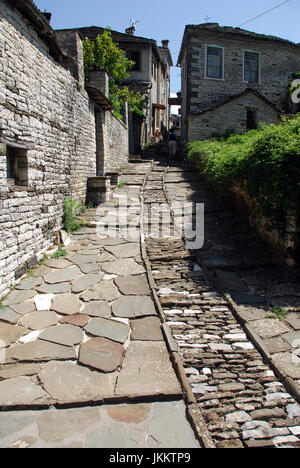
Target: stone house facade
(233, 79)
(150, 77)
(48, 134)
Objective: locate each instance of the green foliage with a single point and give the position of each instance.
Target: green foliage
(146, 145)
(122, 185)
(59, 253)
(104, 54)
(266, 162)
(70, 217)
(279, 313)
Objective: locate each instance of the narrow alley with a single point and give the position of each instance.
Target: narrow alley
(130, 333)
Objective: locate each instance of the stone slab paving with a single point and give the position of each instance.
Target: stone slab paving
(243, 402)
(84, 329)
(149, 425)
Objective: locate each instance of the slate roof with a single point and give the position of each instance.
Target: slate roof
(38, 21)
(92, 32)
(236, 96)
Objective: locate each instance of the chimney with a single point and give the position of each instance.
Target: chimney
(165, 43)
(48, 16)
(130, 30)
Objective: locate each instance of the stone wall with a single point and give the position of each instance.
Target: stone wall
(230, 117)
(47, 112)
(112, 142)
(278, 62)
(116, 144)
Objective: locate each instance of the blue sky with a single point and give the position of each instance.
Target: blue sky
(160, 19)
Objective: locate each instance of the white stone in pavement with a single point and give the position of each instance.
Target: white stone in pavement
(238, 417)
(43, 301)
(293, 410)
(32, 336)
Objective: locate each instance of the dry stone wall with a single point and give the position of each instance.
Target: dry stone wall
(112, 142)
(278, 62)
(44, 110)
(231, 117)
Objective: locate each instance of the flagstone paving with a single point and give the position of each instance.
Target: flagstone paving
(84, 330)
(230, 345)
(66, 340)
(84, 333)
(108, 426)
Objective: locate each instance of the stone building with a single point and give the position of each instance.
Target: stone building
(232, 79)
(54, 134)
(150, 76)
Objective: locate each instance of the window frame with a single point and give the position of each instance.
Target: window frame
(138, 62)
(18, 155)
(255, 119)
(259, 65)
(212, 46)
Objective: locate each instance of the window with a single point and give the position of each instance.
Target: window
(16, 166)
(251, 120)
(135, 55)
(251, 67)
(214, 62)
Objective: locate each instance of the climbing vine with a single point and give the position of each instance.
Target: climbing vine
(104, 54)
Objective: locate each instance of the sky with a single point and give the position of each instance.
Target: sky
(158, 19)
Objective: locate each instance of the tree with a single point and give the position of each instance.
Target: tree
(104, 54)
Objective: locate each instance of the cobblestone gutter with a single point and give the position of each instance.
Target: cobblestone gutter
(243, 402)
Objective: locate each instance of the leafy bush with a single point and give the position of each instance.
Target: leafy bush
(266, 162)
(104, 54)
(70, 217)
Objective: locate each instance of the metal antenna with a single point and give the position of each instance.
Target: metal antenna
(207, 18)
(133, 22)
